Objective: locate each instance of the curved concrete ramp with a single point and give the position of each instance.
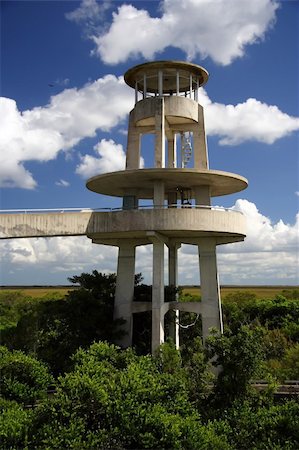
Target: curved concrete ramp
(44, 224)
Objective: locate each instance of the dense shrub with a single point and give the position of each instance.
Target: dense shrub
(239, 359)
(249, 426)
(23, 378)
(278, 313)
(14, 425)
(54, 329)
(286, 368)
(115, 399)
(10, 303)
(274, 343)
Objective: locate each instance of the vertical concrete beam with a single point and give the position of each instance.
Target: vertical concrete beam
(158, 295)
(172, 159)
(191, 83)
(172, 199)
(136, 92)
(202, 195)
(177, 82)
(160, 82)
(173, 281)
(199, 143)
(171, 147)
(210, 292)
(144, 86)
(125, 290)
(159, 194)
(160, 133)
(133, 145)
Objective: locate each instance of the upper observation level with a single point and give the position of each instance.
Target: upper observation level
(176, 164)
(166, 78)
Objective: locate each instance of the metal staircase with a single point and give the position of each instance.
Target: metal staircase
(186, 148)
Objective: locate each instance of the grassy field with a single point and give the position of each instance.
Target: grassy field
(39, 292)
(259, 291)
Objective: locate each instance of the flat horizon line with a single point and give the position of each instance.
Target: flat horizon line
(37, 286)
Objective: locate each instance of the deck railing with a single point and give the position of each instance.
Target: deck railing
(141, 207)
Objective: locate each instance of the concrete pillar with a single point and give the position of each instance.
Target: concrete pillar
(133, 145)
(172, 199)
(159, 194)
(202, 195)
(160, 133)
(199, 143)
(158, 294)
(196, 90)
(177, 82)
(173, 281)
(144, 86)
(160, 82)
(136, 92)
(172, 159)
(125, 290)
(210, 292)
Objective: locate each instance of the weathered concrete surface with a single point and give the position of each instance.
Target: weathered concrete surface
(43, 225)
(124, 292)
(177, 110)
(180, 223)
(172, 222)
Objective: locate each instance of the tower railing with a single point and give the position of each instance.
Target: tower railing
(140, 207)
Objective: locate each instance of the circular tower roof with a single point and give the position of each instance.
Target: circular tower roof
(170, 70)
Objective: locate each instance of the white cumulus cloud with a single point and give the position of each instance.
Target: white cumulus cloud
(220, 29)
(41, 133)
(265, 236)
(251, 120)
(111, 157)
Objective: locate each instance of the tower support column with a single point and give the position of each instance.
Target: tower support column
(124, 292)
(172, 159)
(210, 292)
(133, 145)
(159, 194)
(199, 142)
(158, 294)
(160, 133)
(173, 281)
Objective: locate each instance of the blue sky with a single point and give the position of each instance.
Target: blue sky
(64, 115)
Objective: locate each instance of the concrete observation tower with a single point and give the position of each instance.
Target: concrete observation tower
(168, 204)
(178, 189)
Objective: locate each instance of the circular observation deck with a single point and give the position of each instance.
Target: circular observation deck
(184, 225)
(161, 78)
(142, 181)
